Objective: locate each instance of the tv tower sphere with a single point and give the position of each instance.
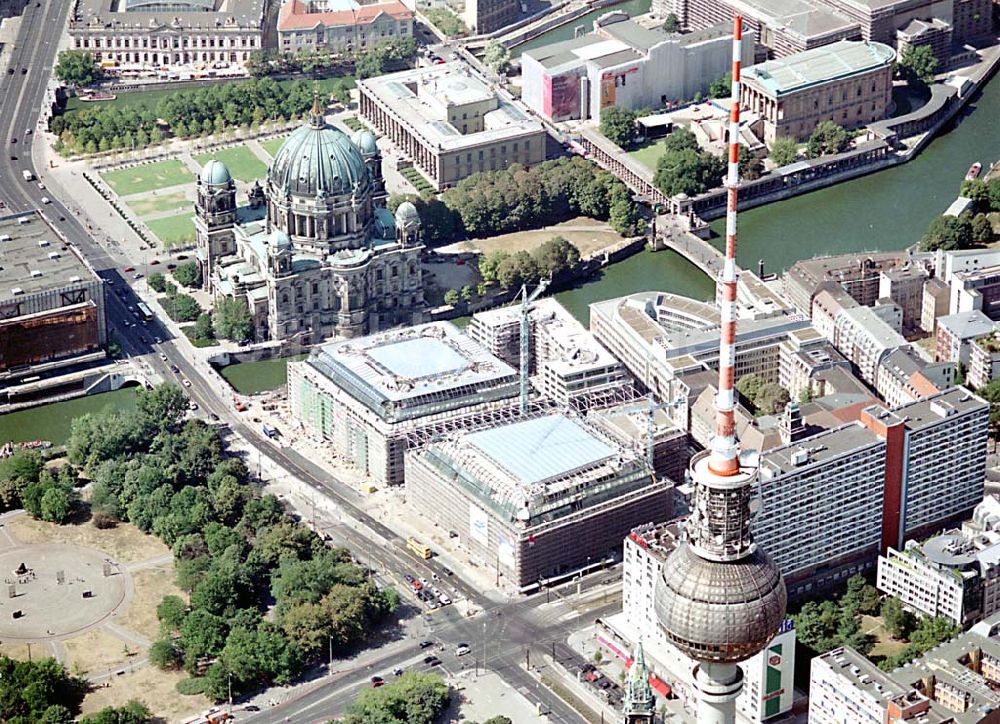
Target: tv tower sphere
(720, 599)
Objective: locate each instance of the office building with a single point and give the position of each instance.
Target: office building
(768, 686)
(953, 575)
(864, 338)
(624, 64)
(956, 332)
(450, 122)
(316, 254)
(51, 300)
(341, 26)
(488, 16)
(831, 502)
(538, 500)
(566, 362)
(934, 303)
(857, 274)
(903, 376)
(369, 399)
(984, 361)
(904, 286)
(152, 36)
(781, 27)
(848, 82)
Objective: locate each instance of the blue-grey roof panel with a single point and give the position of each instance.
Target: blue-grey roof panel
(416, 358)
(541, 448)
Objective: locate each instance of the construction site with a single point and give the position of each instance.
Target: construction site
(538, 500)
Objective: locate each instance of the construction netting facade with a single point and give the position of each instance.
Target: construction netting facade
(49, 336)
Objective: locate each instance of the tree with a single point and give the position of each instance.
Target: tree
(749, 386)
(134, 712)
(157, 282)
(76, 67)
(750, 167)
(258, 64)
(555, 256)
(682, 169)
(982, 229)
(497, 57)
(414, 698)
(976, 191)
(188, 274)
(827, 138)
(171, 612)
(468, 293)
(784, 150)
(162, 407)
(181, 307)
(898, 621)
(28, 689)
(771, 398)
(56, 504)
(671, 24)
(618, 126)
(993, 190)
(369, 65)
(516, 270)
(451, 297)
(232, 319)
(948, 233)
(991, 393)
(203, 328)
(917, 64)
(164, 654)
(721, 87)
(489, 264)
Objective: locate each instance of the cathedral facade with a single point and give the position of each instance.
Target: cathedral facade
(315, 254)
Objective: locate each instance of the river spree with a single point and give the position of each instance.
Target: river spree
(54, 421)
(566, 31)
(882, 211)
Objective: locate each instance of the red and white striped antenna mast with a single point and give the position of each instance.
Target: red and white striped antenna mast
(725, 450)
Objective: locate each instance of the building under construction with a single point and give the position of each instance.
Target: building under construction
(566, 362)
(536, 500)
(52, 310)
(372, 397)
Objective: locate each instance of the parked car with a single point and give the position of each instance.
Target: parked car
(398, 671)
(129, 269)
(426, 644)
(444, 600)
(154, 262)
(447, 571)
(432, 661)
(175, 369)
(377, 681)
(462, 649)
(163, 357)
(408, 578)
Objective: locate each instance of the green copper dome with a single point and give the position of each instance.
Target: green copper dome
(318, 160)
(215, 173)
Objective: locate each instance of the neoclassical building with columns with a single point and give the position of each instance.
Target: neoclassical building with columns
(315, 254)
(156, 35)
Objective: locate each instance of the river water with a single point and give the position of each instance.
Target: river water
(565, 32)
(53, 422)
(882, 211)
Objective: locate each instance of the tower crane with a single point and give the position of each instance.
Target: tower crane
(526, 300)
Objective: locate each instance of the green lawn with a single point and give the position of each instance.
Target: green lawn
(412, 175)
(352, 122)
(147, 177)
(242, 163)
(148, 204)
(649, 154)
(173, 230)
(189, 333)
(272, 145)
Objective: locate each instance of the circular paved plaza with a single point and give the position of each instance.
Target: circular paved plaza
(50, 609)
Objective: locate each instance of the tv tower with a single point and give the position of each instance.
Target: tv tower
(720, 598)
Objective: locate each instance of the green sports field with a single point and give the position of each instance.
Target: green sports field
(242, 163)
(149, 204)
(147, 177)
(173, 230)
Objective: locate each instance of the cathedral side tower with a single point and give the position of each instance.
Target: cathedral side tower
(215, 218)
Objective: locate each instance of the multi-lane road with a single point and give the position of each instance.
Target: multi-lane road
(508, 629)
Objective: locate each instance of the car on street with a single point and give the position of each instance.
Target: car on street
(377, 681)
(447, 571)
(181, 257)
(175, 369)
(41, 186)
(398, 671)
(192, 406)
(24, 71)
(443, 599)
(432, 661)
(129, 269)
(462, 649)
(426, 644)
(46, 200)
(408, 578)
(215, 418)
(186, 382)
(154, 262)
(171, 266)
(27, 131)
(423, 581)
(416, 586)
(163, 357)
(137, 276)
(432, 604)
(251, 707)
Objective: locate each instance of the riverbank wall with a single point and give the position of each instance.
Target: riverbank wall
(549, 21)
(883, 151)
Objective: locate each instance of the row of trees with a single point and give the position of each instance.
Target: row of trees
(957, 232)
(262, 63)
(77, 68)
(517, 198)
(766, 398)
(235, 550)
(43, 691)
(554, 257)
(414, 698)
(207, 110)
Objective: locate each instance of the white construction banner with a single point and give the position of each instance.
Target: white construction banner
(479, 525)
(505, 552)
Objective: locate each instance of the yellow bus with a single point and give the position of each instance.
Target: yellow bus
(419, 548)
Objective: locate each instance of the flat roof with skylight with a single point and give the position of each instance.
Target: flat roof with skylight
(817, 66)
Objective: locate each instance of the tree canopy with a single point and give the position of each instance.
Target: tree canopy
(33, 691)
(684, 168)
(232, 319)
(77, 67)
(918, 64)
(497, 56)
(948, 233)
(828, 138)
(618, 126)
(413, 698)
(784, 150)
